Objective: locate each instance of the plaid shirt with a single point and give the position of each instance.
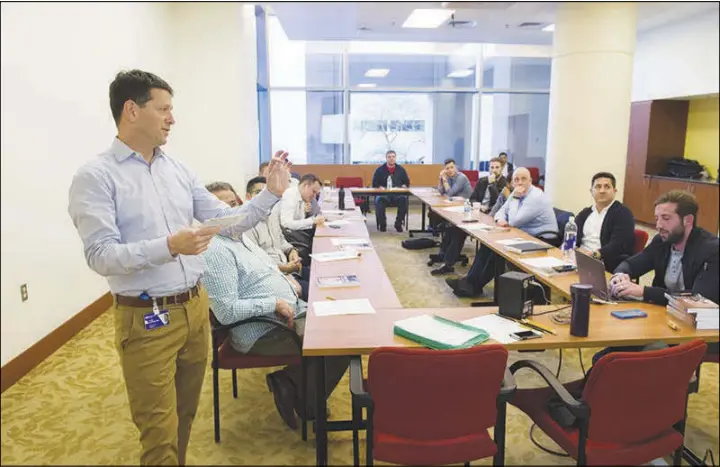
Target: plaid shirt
(243, 281)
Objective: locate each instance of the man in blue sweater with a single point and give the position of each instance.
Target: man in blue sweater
(527, 209)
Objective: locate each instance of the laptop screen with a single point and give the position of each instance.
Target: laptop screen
(592, 272)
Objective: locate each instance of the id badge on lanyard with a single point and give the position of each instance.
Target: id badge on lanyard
(157, 319)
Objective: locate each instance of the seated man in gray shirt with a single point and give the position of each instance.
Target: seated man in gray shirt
(452, 182)
(527, 209)
(242, 281)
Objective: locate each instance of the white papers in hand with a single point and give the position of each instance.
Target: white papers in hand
(224, 221)
(546, 262)
(359, 306)
(430, 328)
(514, 241)
(335, 256)
(498, 328)
(338, 222)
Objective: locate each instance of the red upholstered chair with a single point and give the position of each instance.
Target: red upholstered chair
(537, 179)
(224, 357)
(472, 175)
(631, 410)
(350, 182)
(432, 407)
(641, 238)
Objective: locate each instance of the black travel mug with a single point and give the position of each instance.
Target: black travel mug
(580, 318)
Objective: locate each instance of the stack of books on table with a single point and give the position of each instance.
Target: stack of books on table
(694, 310)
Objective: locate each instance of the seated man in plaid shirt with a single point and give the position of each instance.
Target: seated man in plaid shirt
(243, 281)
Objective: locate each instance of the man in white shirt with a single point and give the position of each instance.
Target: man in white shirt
(299, 209)
(507, 167)
(606, 229)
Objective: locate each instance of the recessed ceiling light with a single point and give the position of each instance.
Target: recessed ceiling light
(427, 18)
(549, 28)
(377, 73)
(366, 85)
(460, 74)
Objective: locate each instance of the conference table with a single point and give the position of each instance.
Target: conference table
(360, 334)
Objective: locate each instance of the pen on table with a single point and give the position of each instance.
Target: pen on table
(328, 297)
(537, 326)
(673, 326)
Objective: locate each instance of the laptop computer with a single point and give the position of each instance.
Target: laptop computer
(592, 272)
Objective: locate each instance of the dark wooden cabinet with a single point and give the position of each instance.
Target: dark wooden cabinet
(657, 134)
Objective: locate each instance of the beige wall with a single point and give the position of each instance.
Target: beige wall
(57, 62)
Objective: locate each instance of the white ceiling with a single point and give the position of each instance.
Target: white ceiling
(496, 22)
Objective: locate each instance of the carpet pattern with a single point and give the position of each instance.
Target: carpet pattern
(72, 409)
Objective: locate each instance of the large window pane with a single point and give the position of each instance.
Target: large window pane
(302, 63)
(309, 125)
(516, 124)
(412, 65)
(423, 128)
(516, 73)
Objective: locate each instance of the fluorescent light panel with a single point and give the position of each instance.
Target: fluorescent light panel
(377, 73)
(549, 28)
(366, 85)
(427, 18)
(460, 74)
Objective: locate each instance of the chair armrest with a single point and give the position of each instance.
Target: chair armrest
(260, 319)
(509, 386)
(578, 408)
(356, 381)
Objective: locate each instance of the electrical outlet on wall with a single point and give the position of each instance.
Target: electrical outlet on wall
(23, 292)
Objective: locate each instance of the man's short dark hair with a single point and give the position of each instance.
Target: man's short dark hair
(685, 203)
(503, 154)
(390, 152)
(214, 187)
(133, 85)
(254, 181)
(309, 179)
(495, 159)
(604, 175)
(447, 161)
(262, 166)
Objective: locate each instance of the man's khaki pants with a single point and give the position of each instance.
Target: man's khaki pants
(164, 370)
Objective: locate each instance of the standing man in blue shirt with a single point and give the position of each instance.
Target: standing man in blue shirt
(133, 207)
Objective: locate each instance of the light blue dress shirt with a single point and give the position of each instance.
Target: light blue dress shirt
(124, 210)
(243, 281)
(459, 186)
(533, 213)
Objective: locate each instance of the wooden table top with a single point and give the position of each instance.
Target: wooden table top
(361, 334)
(375, 285)
(431, 197)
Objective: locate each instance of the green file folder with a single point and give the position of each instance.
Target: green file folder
(440, 333)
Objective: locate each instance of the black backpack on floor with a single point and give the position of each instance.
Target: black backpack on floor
(419, 243)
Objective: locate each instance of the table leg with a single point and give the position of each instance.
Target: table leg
(321, 448)
(499, 271)
(691, 458)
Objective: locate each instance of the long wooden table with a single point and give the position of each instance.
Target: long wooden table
(430, 197)
(360, 334)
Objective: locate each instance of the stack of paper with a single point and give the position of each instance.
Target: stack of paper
(359, 306)
(479, 226)
(454, 209)
(546, 263)
(513, 241)
(498, 328)
(335, 256)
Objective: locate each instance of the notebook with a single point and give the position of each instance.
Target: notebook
(527, 247)
(439, 333)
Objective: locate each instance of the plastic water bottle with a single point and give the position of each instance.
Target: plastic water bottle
(389, 182)
(468, 209)
(568, 246)
(341, 198)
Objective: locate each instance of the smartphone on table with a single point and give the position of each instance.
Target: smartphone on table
(525, 335)
(629, 314)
